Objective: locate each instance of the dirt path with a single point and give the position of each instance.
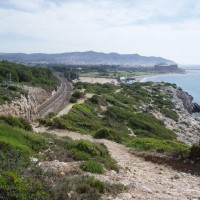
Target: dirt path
(69, 106)
(146, 180)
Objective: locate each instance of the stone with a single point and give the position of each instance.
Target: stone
(176, 176)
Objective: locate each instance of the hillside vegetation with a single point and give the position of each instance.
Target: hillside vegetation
(23, 75)
(22, 178)
(34, 76)
(124, 114)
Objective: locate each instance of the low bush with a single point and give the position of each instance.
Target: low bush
(12, 186)
(17, 122)
(160, 103)
(98, 88)
(98, 100)
(143, 133)
(149, 123)
(6, 98)
(195, 152)
(20, 139)
(108, 134)
(93, 149)
(77, 94)
(86, 150)
(21, 178)
(80, 155)
(91, 184)
(151, 144)
(92, 166)
(169, 113)
(73, 99)
(51, 115)
(81, 118)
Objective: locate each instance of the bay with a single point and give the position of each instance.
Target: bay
(189, 82)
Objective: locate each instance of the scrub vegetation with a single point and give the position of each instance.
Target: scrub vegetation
(23, 75)
(22, 178)
(123, 114)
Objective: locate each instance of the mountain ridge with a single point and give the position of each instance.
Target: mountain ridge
(85, 58)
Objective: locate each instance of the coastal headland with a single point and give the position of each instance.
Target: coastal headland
(102, 141)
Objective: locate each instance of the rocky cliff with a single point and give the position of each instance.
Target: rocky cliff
(25, 107)
(187, 127)
(187, 101)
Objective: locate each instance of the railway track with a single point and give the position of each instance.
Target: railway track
(58, 99)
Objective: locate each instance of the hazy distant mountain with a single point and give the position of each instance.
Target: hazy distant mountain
(89, 57)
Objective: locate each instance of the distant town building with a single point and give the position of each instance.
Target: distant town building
(123, 80)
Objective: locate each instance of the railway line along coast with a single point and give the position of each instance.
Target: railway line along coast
(56, 102)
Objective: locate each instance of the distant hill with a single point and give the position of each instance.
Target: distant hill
(85, 58)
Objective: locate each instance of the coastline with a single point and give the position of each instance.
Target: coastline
(143, 78)
(140, 78)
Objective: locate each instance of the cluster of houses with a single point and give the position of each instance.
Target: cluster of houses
(126, 80)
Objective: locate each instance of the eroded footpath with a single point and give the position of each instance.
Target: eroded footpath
(144, 180)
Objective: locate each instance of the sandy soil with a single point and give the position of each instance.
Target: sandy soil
(97, 80)
(143, 77)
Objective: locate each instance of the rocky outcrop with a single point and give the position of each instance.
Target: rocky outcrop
(187, 127)
(196, 108)
(25, 107)
(187, 101)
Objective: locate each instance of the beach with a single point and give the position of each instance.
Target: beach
(97, 80)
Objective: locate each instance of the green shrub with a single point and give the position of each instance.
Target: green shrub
(80, 155)
(143, 133)
(160, 102)
(169, 113)
(6, 98)
(90, 184)
(20, 139)
(81, 118)
(92, 166)
(73, 99)
(97, 100)
(86, 150)
(99, 89)
(17, 90)
(93, 149)
(97, 184)
(151, 144)
(36, 76)
(149, 123)
(195, 152)
(17, 122)
(77, 94)
(13, 88)
(51, 115)
(12, 186)
(108, 134)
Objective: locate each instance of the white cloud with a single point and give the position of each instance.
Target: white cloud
(153, 27)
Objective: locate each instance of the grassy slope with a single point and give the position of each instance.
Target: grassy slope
(128, 109)
(19, 174)
(35, 76)
(21, 74)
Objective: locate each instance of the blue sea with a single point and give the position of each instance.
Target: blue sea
(189, 82)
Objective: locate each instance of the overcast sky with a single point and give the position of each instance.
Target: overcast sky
(167, 28)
